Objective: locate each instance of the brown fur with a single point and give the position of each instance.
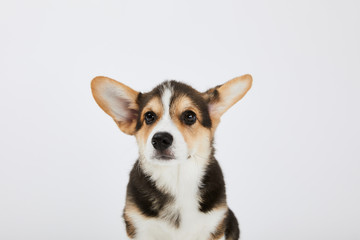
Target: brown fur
(154, 105)
(97, 86)
(219, 231)
(221, 98)
(130, 228)
(194, 134)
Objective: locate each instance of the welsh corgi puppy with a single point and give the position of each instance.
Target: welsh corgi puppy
(176, 189)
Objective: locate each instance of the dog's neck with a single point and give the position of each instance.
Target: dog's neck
(178, 178)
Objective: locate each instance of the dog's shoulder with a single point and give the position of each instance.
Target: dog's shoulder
(212, 187)
(143, 193)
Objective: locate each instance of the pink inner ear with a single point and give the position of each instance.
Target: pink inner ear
(133, 114)
(215, 109)
(119, 104)
(122, 111)
(211, 108)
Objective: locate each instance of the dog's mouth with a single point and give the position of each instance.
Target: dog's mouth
(164, 155)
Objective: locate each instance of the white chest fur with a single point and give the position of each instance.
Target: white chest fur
(181, 181)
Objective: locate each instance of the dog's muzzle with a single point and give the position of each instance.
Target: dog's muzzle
(162, 141)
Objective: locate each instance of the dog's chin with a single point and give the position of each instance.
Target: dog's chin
(164, 155)
(166, 158)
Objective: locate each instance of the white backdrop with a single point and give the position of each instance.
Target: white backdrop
(289, 150)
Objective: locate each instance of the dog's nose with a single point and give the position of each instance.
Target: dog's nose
(162, 140)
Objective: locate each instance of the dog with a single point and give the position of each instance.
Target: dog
(176, 189)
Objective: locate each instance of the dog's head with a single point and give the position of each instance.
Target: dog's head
(173, 122)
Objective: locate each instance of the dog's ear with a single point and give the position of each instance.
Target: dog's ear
(117, 100)
(222, 97)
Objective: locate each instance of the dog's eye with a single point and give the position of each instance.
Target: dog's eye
(150, 117)
(189, 117)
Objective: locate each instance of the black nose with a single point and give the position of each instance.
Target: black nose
(162, 140)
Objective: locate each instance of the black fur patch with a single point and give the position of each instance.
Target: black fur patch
(212, 190)
(182, 89)
(232, 231)
(143, 192)
(212, 95)
(150, 200)
(142, 100)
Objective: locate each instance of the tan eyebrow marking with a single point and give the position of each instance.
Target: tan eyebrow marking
(155, 106)
(182, 104)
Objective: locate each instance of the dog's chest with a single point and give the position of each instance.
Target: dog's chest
(181, 217)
